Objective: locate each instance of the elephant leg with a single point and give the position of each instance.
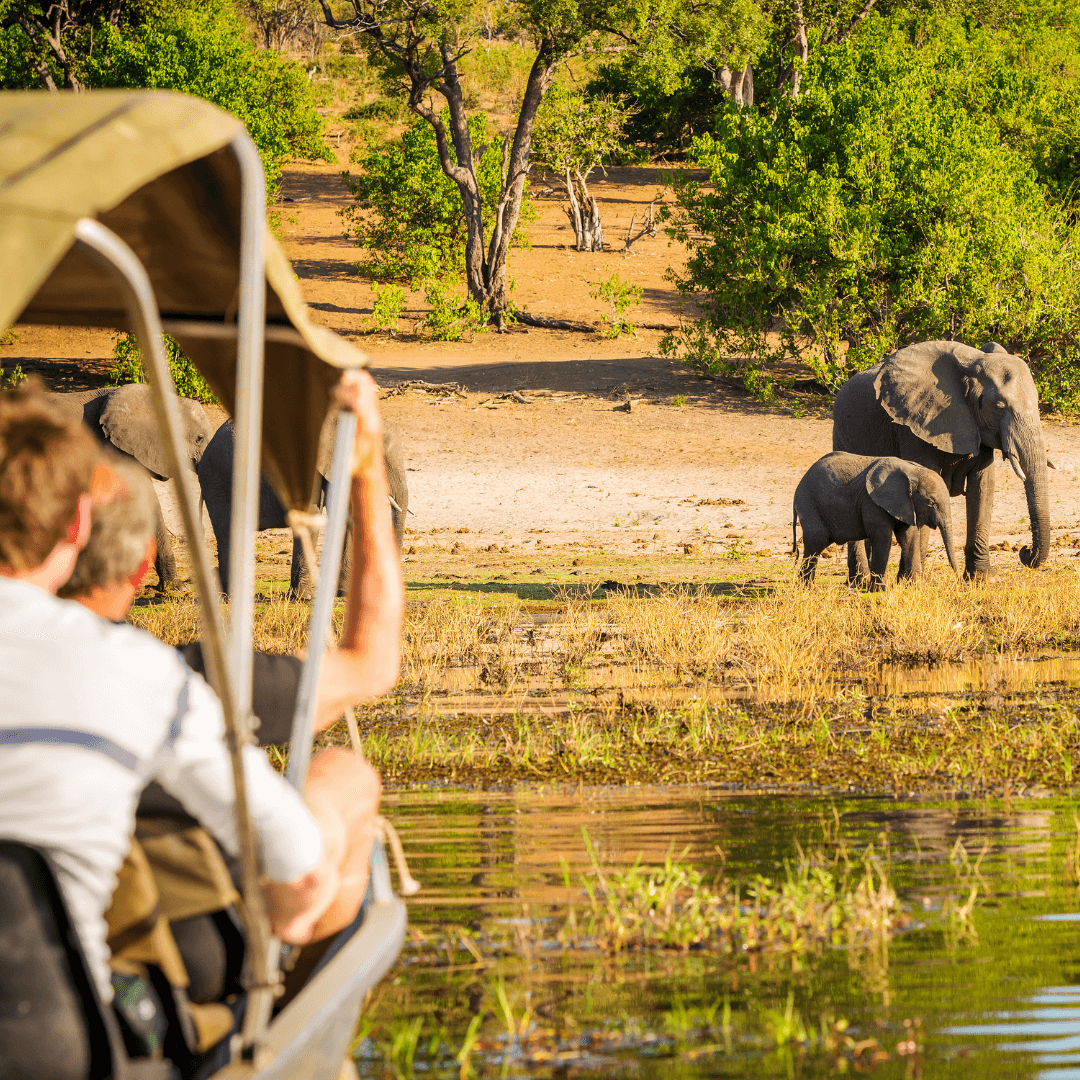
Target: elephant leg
(300, 586)
(858, 564)
(907, 536)
(816, 539)
(924, 545)
(165, 560)
(218, 510)
(879, 540)
(979, 500)
(346, 561)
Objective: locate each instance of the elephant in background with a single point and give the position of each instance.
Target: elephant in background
(215, 479)
(123, 418)
(947, 406)
(845, 498)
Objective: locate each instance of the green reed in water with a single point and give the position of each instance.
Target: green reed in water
(820, 901)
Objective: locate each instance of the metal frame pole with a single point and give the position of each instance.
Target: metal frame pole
(322, 609)
(247, 417)
(121, 262)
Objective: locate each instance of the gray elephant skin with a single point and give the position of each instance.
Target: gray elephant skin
(948, 407)
(845, 498)
(215, 478)
(123, 418)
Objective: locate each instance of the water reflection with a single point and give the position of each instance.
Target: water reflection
(535, 677)
(1001, 1002)
(995, 675)
(1051, 1026)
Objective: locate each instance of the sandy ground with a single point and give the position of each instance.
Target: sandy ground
(691, 459)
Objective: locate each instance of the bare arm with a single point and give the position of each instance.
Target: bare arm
(368, 657)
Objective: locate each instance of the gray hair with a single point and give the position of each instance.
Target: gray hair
(119, 532)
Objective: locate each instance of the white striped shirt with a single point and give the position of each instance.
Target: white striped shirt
(90, 711)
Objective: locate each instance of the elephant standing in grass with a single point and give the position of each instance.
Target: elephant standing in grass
(123, 418)
(948, 407)
(215, 479)
(845, 498)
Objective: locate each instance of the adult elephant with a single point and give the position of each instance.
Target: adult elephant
(215, 478)
(123, 418)
(948, 407)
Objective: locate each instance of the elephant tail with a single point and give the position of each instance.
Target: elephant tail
(794, 534)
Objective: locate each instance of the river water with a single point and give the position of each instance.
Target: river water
(996, 996)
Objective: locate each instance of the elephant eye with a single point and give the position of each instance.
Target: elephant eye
(1000, 405)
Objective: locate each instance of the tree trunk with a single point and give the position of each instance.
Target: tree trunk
(796, 41)
(485, 264)
(738, 85)
(584, 214)
(541, 75)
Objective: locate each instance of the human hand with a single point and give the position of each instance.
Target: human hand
(356, 390)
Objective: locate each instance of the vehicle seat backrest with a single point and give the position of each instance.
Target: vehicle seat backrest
(51, 1019)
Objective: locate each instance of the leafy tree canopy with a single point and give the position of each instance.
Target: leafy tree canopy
(408, 214)
(903, 195)
(195, 48)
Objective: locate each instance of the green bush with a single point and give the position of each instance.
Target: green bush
(128, 368)
(665, 114)
(388, 304)
(451, 318)
(204, 50)
(407, 212)
(874, 210)
(620, 296)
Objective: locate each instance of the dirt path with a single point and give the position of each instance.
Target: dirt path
(691, 459)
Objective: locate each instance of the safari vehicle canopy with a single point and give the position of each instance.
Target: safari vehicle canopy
(145, 211)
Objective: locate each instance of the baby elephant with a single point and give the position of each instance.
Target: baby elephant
(845, 497)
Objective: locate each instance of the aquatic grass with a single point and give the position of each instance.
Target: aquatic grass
(820, 901)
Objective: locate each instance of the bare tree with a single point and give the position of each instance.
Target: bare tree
(573, 136)
(279, 22)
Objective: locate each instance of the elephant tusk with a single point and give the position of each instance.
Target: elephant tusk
(1014, 461)
(1051, 465)
(393, 503)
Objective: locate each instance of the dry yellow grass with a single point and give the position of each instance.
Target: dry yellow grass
(792, 644)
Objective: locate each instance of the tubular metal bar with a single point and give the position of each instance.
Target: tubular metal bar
(337, 512)
(247, 421)
(247, 442)
(109, 250)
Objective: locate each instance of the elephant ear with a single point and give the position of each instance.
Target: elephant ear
(926, 388)
(128, 422)
(889, 486)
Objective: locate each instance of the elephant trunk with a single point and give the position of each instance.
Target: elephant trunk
(945, 528)
(1023, 447)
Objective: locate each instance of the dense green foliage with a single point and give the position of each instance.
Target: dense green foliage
(911, 191)
(669, 74)
(408, 213)
(575, 133)
(128, 368)
(194, 48)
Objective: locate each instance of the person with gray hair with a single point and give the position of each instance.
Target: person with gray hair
(121, 546)
(109, 574)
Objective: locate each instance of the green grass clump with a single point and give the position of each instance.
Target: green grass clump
(820, 902)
